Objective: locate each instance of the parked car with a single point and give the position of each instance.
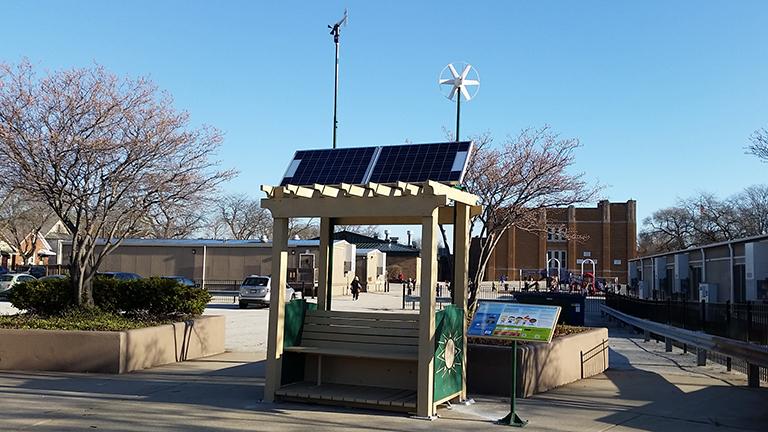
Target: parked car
(119, 275)
(255, 289)
(37, 271)
(9, 280)
(181, 280)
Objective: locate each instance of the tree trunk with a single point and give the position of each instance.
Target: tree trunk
(82, 283)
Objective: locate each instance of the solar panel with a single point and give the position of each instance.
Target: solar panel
(442, 162)
(330, 166)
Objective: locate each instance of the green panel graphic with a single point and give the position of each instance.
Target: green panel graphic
(449, 351)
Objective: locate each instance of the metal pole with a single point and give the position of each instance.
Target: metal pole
(335, 86)
(205, 252)
(458, 113)
(512, 419)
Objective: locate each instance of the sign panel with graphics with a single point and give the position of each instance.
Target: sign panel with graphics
(514, 321)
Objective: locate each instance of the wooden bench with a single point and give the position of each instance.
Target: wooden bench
(373, 356)
(393, 336)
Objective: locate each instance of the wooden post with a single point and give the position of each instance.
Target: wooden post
(425, 388)
(460, 270)
(326, 249)
(276, 308)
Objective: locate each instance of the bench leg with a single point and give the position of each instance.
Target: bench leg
(667, 344)
(319, 370)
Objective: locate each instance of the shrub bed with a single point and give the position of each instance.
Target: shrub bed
(78, 319)
(560, 330)
(140, 301)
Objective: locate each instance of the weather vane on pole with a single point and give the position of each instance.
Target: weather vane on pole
(335, 31)
(459, 86)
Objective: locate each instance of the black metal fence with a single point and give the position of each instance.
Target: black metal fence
(741, 321)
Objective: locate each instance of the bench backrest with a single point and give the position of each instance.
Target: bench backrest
(360, 331)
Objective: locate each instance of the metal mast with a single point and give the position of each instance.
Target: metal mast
(335, 31)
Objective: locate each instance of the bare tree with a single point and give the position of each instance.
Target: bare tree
(303, 228)
(172, 221)
(241, 217)
(759, 146)
(101, 151)
(705, 219)
(667, 230)
(21, 221)
(516, 181)
(751, 205)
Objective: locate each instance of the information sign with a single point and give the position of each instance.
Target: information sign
(515, 321)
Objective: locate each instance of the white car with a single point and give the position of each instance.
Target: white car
(9, 280)
(255, 290)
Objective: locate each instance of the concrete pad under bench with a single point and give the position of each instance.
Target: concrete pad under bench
(110, 352)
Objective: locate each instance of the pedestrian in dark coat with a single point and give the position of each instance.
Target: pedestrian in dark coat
(356, 288)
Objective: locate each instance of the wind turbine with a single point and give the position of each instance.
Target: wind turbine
(454, 84)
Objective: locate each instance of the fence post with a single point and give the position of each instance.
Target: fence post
(703, 316)
(669, 310)
(403, 296)
(749, 321)
(728, 317)
(683, 303)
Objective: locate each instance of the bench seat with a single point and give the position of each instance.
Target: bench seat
(410, 355)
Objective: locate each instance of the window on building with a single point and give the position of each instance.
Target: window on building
(559, 255)
(556, 234)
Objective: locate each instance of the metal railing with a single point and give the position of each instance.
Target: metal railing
(741, 321)
(753, 356)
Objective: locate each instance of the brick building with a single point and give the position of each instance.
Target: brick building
(611, 241)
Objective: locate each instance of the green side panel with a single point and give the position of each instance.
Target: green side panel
(293, 363)
(449, 351)
(294, 321)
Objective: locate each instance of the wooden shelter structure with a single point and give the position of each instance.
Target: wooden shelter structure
(409, 362)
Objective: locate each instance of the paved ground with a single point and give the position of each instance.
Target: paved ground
(646, 389)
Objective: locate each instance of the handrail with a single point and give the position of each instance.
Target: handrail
(752, 353)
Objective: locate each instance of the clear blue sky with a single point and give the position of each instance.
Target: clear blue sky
(663, 95)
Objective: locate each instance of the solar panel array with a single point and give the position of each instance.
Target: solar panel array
(418, 163)
(330, 166)
(443, 162)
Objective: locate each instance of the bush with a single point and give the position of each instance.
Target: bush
(42, 297)
(155, 298)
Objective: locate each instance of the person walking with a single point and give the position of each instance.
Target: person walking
(356, 288)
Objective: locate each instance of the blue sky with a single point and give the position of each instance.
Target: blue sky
(662, 95)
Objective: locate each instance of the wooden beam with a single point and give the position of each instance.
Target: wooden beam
(352, 190)
(267, 189)
(326, 248)
(276, 308)
(425, 406)
(408, 188)
(452, 193)
(300, 191)
(327, 191)
(346, 207)
(460, 282)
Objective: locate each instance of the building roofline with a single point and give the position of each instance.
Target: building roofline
(707, 246)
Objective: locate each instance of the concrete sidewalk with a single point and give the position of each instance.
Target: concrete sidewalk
(646, 389)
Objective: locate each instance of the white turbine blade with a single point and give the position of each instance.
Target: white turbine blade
(447, 82)
(465, 71)
(453, 71)
(453, 92)
(471, 82)
(465, 93)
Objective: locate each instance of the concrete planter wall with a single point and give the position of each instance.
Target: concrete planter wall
(541, 367)
(110, 352)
